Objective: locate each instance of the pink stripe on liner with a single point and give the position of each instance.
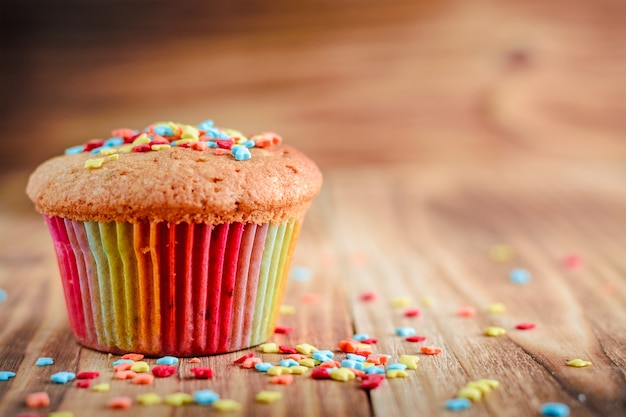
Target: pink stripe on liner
(216, 269)
(253, 282)
(202, 244)
(184, 286)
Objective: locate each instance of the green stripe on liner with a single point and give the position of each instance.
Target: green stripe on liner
(125, 245)
(266, 262)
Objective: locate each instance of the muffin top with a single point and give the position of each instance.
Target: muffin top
(177, 173)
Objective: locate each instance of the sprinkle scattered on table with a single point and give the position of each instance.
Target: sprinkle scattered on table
(3, 295)
(519, 276)
(554, 409)
(578, 363)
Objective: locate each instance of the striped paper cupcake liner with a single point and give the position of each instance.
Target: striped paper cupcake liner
(177, 289)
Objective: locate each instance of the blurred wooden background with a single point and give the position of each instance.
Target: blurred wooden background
(441, 127)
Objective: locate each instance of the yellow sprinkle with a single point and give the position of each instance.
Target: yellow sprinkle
(160, 147)
(269, 348)
(501, 253)
(481, 386)
(491, 383)
(125, 149)
(428, 301)
(305, 348)
(235, 133)
(297, 370)
(401, 302)
(397, 373)
(140, 367)
(178, 398)
(366, 364)
(287, 310)
(471, 393)
(308, 362)
(342, 374)
(101, 388)
(190, 132)
(578, 363)
(494, 331)
(409, 360)
(141, 140)
(61, 414)
(149, 398)
(183, 141)
(278, 370)
(108, 151)
(268, 396)
(94, 163)
(114, 157)
(226, 405)
(496, 308)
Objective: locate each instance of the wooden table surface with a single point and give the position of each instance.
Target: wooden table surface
(440, 134)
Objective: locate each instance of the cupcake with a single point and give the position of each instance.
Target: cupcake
(176, 239)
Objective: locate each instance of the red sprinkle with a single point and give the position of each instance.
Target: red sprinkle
(525, 326)
(371, 381)
(370, 341)
(572, 261)
(320, 373)
(224, 143)
(93, 144)
(88, 375)
(287, 349)
(412, 312)
(163, 371)
(199, 146)
(144, 147)
(243, 358)
(159, 140)
(83, 383)
(220, 151)
(120, 403)
(368, 296)
(202, 373)
(283, 329)
(124, 133)
(415, 338)
(431, 350)
(466, 311)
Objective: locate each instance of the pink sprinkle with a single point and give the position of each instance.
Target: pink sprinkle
(295, 356)
(196, 360)
(163, 371)
(120, 403)
(243, 358)
(250, 362)
(83, 383)
(609, 288)
(159, 140)
(37, 400)
(572, 261)
(282, 379)
(124, 133)
(220, 151)
(88, 375)
(370, 341)
(144, 147)
(310, 298)
(224, 143)
(125, 375)
(202, 373)
(525, 326)
(412, 312)
(368, 296)
(124, 366)
(415, 338)
(283, 329)
(143, 379)
(287, 349)
(466, 311)
(133, 356)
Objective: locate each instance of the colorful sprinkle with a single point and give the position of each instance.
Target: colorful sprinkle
(578, 363)
(287, 310)
(415, 339)
(458, 404)
(428, 301)
(263, 367)
(88, 375)
(466, 311)
(121, 375)
(525, 326)
(194, 360)
(167, 360)
(298, 370)
(37, 400)
(287, 349)
(300, 273)
(412, 312)
(202, 373)
(572, 262)
(282, 379)
(308, 362)
(123, 366)
(310, 298)
(371, 381)
(368, 296)
(405, 331)
(374, 370)
(320, 373)
(496, 308)
(519, 276)
(470, 393)
(61, 414)
(3, 295)
(288, 363)
(243, 358)
(430, 350)
(120, 361)
(401, 302)
(62, 377)
(501, 253)
(226, 405)
(283, 329)
(251, 362)
(342, 374)
(494, 331)
(133, 356)
(101, 388)
(269, 348)
(149, 398)
(305, 348)
(554, 410)
(94, 163)
(143, 379)
(278, 370)
(397, 373)
(83, 383)
(268, 396)
(205, 397)
(120, 403)
(44, 361)
(140, 367)
(178, 399)
(410, 361)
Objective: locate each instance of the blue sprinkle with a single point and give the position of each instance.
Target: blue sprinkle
(62, 377)
(458, 404)
(323, 355)
(394, 366)
(119, 361)
(347, 363)
(96, 151)
(354, 357)
(167, 360)
(288, 363)
(375, 370)
(248, 144)
(241, 153)
(405, 331)
(114, 141)
(519, 276)
(212, 144)
(44, 361)
(3, 295)
(166, 130)
(300, 273)
(554, 410)
(74, 150)
(360, 336)
(205, 397)
(222, 135)
(206, 125)
(263, 367)
(6, 375)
